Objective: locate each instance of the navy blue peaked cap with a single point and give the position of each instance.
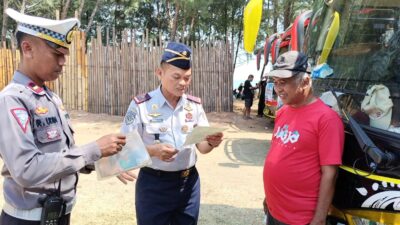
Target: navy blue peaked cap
(178, 55)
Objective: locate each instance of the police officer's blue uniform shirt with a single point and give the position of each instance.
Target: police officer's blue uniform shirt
(152, 115)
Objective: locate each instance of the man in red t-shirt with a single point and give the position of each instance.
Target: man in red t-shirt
(307, 144)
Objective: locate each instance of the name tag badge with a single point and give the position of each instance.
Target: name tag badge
(156, 120)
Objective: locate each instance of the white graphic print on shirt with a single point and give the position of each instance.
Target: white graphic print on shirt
(285, 135)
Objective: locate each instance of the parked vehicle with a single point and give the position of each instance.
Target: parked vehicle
(354, 49)
(277, 44)
(358, 42)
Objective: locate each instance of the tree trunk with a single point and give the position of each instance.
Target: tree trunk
(168, 13)
(287, 13)
(65, 9)
(275, 15)
(237, 48)
(175, 22)
(159, 18)
(183, 29)
(92, 17)
(4, 25)
(191, 29)
(23, 7)
(269, 14)
(21, 10)
(80, 9)
(239, 39)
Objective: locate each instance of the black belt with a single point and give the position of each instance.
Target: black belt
(176, 174)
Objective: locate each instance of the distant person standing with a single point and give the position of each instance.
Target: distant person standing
(240, 89)
(248, 95)
(261, 99)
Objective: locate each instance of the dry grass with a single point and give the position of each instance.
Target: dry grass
(231, 175)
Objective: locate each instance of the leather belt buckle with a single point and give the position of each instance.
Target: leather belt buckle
(185, 173)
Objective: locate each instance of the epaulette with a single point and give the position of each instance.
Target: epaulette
(194, 99)
(141, 98)
(38, 90)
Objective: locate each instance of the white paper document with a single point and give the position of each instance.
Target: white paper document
(133, 155)
(199, 134)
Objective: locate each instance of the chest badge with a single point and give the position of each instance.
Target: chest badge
(189, 116)
(185, 129)
(41, 110)
(53, 134)
(154, 114)
(154, 109)
(188, 107)
(163, 129)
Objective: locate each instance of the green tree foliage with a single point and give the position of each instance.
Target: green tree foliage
(278, 15)
(188, 20)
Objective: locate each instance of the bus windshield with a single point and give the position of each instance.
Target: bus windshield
(357, 45)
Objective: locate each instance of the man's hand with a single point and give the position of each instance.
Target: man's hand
(215, 139)
(128, 176)
(111, 144)
(165, 152)
(314, 221)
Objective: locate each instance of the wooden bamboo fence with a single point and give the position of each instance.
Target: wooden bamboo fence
(71, 86)
(104, 78)
(9, 60)
(120, 71)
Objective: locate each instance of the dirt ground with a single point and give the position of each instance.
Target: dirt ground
(231, 175)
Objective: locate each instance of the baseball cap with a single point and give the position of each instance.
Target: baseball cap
(378, 105)
(177, 54)
(290, 64)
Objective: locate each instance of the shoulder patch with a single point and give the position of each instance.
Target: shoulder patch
(130, 116)
(194, 99)
(141, 98)
(22, 117)
(36, 89)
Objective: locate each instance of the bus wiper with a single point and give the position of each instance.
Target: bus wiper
(385, 159)
(380, 158)
(347, 91)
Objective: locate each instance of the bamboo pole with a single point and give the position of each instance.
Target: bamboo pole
(104, 79)
(2, 69)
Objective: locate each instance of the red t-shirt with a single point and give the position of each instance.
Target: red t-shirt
(304, 139)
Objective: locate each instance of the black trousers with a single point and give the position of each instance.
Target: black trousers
(6, 219)
(261, 106)
(272, 221)
(167, 199)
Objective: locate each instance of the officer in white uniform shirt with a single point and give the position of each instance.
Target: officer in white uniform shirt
(37, 146)
(168, 191)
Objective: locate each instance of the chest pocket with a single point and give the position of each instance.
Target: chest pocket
(49, 133)
(157, 128)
